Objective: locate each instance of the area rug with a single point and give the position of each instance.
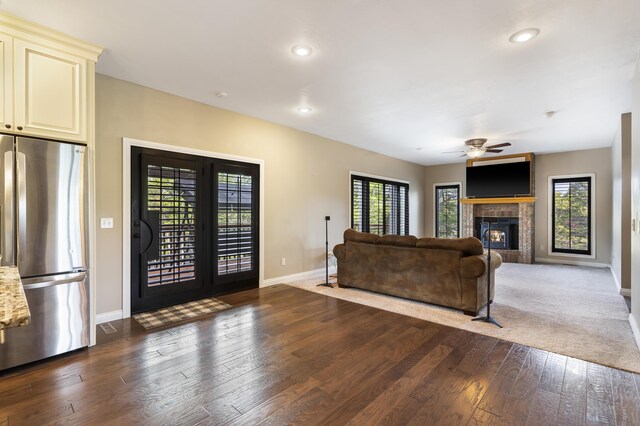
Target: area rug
(178, 313)
(570, 310)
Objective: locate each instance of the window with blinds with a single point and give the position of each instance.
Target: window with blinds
(571, 215)
(447, 211)
(379, 206)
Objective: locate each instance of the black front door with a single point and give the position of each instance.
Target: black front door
(194, 223)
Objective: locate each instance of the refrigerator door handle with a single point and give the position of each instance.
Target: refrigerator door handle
(48, 282)
(22, 200)
(8, 230)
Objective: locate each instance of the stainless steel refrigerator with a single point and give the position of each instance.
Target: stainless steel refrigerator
(44, 231)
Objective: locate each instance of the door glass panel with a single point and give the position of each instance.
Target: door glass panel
(172, 193)
(235, 223)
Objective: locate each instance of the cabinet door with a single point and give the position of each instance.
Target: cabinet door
(6, 83)
(50, 92)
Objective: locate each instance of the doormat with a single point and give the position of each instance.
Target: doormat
(178, 313)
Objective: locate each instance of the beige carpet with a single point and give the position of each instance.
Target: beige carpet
(571, 310)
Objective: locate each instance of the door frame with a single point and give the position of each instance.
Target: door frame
(127, 143)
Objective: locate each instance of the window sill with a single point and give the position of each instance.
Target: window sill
(574, 255)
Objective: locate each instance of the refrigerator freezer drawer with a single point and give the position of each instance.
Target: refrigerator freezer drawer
(59, 308)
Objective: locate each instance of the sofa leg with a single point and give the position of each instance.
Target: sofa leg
(470, 313)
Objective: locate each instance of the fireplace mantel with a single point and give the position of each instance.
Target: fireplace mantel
(505, 200)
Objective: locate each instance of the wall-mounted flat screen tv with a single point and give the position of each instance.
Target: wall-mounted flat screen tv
(499, 180)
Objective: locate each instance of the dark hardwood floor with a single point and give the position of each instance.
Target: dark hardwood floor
(287, 356)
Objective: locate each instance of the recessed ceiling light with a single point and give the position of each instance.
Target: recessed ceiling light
(524, 35)
(300, 50)
(418, 149)
(305, 110)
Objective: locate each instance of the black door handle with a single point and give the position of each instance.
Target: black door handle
(136, 235)
(150, 235)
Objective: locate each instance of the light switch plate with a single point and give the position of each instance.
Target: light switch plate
(106, 222)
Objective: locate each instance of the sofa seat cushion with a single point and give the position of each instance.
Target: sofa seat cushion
(468, 246)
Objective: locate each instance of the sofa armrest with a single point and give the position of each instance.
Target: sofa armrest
(473, 277)
(340, 252)
(476, 266)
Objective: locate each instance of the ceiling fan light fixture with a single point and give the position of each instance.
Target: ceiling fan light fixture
(524, 35)
(475, 152)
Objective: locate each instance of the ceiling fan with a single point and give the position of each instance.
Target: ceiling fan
(476, 148)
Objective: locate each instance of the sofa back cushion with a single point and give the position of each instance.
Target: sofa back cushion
(398, 240)
(468, 246)
(359, 237)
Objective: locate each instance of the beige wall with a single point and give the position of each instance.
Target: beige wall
(635, 204)
(621, 203)
(588, 161)
(306, 176)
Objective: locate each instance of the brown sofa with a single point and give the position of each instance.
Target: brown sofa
(447, 272)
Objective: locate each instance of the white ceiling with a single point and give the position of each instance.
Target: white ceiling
(389, 76)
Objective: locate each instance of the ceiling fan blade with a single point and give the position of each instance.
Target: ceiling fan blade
(463, 155)
(500, 145)
(451, 152)
(493, 150)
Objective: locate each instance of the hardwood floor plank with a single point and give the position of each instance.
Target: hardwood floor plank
(401, 389)
(573, 399)
(463, 407)
(500, 389)
(179, 416)
(275, 405)
(481, 417)
(625, 397)
(599, 396)
(553, 374)
(518, 406)
(624, 387)
(544, 409)
(476, 356)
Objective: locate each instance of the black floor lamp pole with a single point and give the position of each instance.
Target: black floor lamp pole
(326, 252)
(488, 317)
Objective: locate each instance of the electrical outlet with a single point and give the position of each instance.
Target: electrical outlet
(106, 222)
(283, 262)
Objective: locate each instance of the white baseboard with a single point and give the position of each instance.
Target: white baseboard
(108, 316)
(316, 273)
(572, 262)
(626, 292)
(635, 330)
(615, 279)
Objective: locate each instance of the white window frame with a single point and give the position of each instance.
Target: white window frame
(550, 251)
(433, 199)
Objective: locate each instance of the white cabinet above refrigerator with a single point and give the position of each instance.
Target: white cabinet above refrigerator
(44, 83)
